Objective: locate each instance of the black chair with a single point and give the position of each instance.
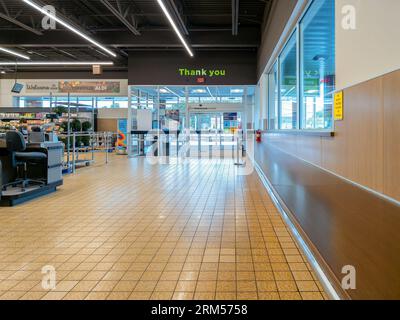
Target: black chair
(16, 145)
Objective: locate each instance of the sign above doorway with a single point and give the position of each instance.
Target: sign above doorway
(174, 68)
(185, 72)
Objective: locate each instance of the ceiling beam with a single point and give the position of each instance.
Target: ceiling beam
(235, 17)
(247, 38)
(176, 15)
(20, 24)
(121, 17)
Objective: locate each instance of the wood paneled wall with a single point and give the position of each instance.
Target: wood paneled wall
(366, 145)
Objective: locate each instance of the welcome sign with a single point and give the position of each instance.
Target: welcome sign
(184, 72)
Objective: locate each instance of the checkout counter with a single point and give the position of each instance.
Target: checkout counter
(50, 171)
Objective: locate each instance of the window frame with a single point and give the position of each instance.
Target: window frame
(300, 84)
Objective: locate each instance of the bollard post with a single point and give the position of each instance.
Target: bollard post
(238, 148)
(73, 152)
(106, 144)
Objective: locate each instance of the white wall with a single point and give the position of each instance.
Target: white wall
(373, 48)
(6, 97)
(117, 113)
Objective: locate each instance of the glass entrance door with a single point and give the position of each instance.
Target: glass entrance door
(213, 132)
(206, 121)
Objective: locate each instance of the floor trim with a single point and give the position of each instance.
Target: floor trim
(300, 236)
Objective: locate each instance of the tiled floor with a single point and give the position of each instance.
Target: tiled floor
(131, 230)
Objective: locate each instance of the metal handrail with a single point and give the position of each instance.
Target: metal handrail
(95, 136)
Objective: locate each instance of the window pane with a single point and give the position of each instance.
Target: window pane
(288, 86)
(273, 98)
(318, 64)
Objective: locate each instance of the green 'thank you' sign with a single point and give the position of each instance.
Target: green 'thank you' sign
(201, 72)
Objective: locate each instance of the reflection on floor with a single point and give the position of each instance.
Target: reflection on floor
(131, 230)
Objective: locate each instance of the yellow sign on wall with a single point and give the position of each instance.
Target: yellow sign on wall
(338, 106)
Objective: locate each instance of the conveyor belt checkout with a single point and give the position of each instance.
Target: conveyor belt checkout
(29, 169)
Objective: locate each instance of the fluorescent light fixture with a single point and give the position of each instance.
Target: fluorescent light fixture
(209, 92)
(171, 21)
(166, 89)
(68, 26)
(12, 52)
(199, 91)
(58, 63)
(236, 90)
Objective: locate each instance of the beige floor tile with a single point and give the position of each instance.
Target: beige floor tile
(286, 286)
(204, 296)
(208, 275)
(76, 295)
(25, 285)
(226, 286)
(145, 286)
(85, 285)
(105, 286)
(140, 295)
(11, 295)
(97, 295)
(186, 286)
(268, 296)
(246, 286)
(307, 286)
(165, 286)
(266, 286)
(211, 236)
(65, 286)
(118, 295)
(33, 295)
(189, 275)
(247, 295)
(125, 286)
(206, 286)
(290, 296)
(165, 295)
(182, 295)
(225, 295)
(311, 296)
(54, 295)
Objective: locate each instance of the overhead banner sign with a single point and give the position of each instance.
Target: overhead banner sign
(74, 87)
(39, 87)
(89, 87)
(206, 68)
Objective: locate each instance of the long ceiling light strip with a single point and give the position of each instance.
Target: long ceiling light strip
(171, 21)
(68, 26)
(58, 63)
(12, 52)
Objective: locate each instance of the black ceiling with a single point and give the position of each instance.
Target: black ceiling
(124, 25)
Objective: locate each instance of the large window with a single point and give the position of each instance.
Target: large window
(317, 34)
(302, 81)
(44, 102)
(288, 86)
